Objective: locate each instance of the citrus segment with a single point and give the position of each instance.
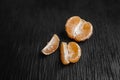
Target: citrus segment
(71, 24)
(51, 46)
(64, 53)
(74, 52)
(86, 30)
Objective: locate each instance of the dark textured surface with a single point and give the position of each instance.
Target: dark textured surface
(26, 26)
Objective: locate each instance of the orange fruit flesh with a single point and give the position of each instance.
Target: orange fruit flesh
(64, 53)
(71, 24)
(51, 49)
(74, 52)
(86, 32)
(77, 25)
(51, 46)
(70, 53)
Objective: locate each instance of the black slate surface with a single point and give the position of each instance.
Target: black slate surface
(26, 27)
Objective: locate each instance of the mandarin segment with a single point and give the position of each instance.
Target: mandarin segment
(51, 46)
(87, 31)
(64, 53)
(74, 51)
(70, 25)
(70, 53)
(78, 29)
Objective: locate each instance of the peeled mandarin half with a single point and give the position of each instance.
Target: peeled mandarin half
(78, 29)
(70, 53)
(51, 46)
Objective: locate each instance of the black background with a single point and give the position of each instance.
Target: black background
(27, 25)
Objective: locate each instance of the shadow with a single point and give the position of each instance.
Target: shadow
(41, 55)
(63, 36)
(39, 48)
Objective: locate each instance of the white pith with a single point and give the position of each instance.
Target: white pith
(66, 54)
(77, 29)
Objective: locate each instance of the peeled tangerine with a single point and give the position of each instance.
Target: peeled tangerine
(78, 29)
(51, 46)
(70, 53)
